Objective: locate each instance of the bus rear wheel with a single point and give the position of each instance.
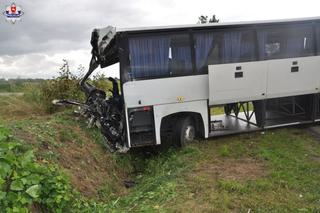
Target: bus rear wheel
(185, 131)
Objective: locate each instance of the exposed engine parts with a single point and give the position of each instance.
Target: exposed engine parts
(102, 111)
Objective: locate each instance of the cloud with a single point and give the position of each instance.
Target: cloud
(55, 29)
(27, 66)
(38, 65)
(49, 26)
(52, 30)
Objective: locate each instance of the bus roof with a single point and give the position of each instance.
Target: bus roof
(210, 25)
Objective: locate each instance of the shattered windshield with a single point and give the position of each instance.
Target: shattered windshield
(104, 46)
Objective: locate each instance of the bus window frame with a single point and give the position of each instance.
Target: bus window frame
(284, 26)
(238, 29)
(124, 47)
(185, 32)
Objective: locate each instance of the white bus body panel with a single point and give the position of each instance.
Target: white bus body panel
(263, 79)
(222, 24)
(224, 87)
(168, 96)
(165, 90)
(282, 82)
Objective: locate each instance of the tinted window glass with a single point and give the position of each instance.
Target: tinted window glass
(223, 47)
(285, 42)
(156, 56)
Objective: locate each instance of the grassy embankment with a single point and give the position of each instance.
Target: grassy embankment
(275, 171)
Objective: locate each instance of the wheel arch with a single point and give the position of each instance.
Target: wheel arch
(197, 109)
(172, 119)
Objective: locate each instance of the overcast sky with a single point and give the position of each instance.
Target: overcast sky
(52, 30)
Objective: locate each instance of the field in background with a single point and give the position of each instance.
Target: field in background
(17, 85)
(277, 170)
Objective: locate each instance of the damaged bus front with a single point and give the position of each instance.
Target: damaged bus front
(107, 113)
(153, 96)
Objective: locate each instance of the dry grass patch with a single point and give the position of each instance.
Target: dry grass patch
(241, 169)
(16, 108)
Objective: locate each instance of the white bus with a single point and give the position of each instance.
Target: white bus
(264, 74)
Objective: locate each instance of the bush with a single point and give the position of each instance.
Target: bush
(39, 93)
(66, 86)
(100, 81)
(25, 184)
(44, 93)
(32, 93)
(59, 88)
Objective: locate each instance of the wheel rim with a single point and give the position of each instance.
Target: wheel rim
(189, 133)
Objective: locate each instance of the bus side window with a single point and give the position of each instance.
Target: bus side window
(205, 45)
(285, 42)
(238, 46)
(149, 56)
(159, 56)
(180, 61)
(224, 47)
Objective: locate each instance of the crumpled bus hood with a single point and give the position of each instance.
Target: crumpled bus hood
(104, 48)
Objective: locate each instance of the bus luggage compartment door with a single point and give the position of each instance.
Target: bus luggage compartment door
(293, 76)
(237, 82)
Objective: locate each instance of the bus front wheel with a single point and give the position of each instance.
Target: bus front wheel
(185, 131)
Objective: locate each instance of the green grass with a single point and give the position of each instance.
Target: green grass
(224, 151)
(218, 110)
(289, 183)
(17, 85)
(157, 179)
(278, 171)
(291, 174)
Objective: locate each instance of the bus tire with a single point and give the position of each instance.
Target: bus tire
(185, 131)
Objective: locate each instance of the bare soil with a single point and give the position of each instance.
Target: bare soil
(241, 169)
